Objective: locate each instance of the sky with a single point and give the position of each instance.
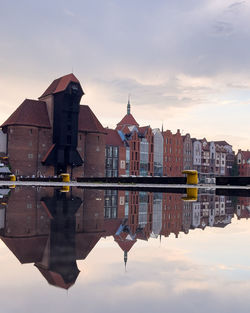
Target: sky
(184, 64)
(203, 271)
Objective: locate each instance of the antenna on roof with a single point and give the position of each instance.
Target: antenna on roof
(128, 105)
(72, 70)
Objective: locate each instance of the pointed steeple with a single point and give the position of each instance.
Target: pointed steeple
(128, 105)
(125, 259)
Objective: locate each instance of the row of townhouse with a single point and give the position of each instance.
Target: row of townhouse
(210, 159)
(132, 150)
(149, 214)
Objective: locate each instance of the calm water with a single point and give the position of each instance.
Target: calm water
(119, 251)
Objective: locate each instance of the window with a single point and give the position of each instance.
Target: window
(110, 151)
(115, 151)
(30, 156)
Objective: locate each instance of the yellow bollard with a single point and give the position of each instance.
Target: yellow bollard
(65, 177)
(12, 177)
(64, 189)
(192, 177)
(192, 194)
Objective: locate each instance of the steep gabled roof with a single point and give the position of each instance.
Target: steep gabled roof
(245, 154)
(85, 243)
(143, 129)
(60, 84)
(30, 113)
(88, 122)
(56, 279)
(125, 245)
(26, 249)
(127, 120)
(113, 138)
(222, 143)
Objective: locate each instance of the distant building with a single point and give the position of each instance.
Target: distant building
(158, 152)
(172, 153)
(115, 153)
(197, 147)
(243, 161)
(187, 152)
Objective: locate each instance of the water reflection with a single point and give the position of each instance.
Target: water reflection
(54, 229)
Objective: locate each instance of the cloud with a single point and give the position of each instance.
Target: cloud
(68, 12)
(236, 5)
(223, 28)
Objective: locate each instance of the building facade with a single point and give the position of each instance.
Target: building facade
(243, 161)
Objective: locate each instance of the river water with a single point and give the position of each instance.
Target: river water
(117, 251)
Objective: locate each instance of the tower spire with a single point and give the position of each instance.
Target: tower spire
(125, 259)
(128, 105)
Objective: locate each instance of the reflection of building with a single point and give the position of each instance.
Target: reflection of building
(243, 208)
(58, 262)
(55, 134)
(54, 229)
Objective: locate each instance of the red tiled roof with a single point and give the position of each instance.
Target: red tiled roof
(128, 120)
(85, 243)
(143, 129)
(111, 226)
(113, 138)
(30, 113)
(54, 278)
(222, 143)
(124, 129)
(88, 122)
(245, 154)
(60, 84)
(125, 245)
(46, 155)
(26, 250)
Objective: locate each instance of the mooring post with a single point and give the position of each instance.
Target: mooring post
(65, 179)
(192, 179)
(192, 176)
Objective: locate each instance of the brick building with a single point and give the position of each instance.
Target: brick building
(115, 153)
(243, 161)
(172, 153)
(187, 152)
(55, 134)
